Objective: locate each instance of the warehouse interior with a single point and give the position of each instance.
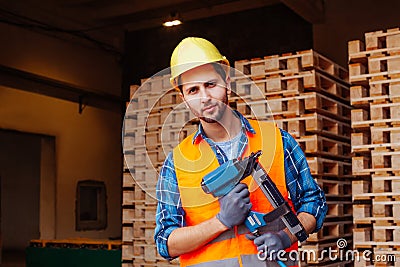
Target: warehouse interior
(66, 72)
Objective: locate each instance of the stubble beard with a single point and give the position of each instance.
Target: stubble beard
(221, 108)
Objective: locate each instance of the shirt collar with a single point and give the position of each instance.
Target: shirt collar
(245, 124)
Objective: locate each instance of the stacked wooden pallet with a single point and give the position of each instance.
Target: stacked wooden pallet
(155, 122)
(76, 243)
(308, 96)
(375, 93)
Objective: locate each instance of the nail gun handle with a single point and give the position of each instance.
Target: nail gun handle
(254, 221)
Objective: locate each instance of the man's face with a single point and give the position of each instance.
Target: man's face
(205, 93)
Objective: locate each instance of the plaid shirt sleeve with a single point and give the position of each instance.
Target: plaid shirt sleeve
(305, 193)
(170, 214)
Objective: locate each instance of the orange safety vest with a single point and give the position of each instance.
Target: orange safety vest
(193, 161)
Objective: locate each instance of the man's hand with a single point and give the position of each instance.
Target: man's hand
(235, 206)
(271, 243)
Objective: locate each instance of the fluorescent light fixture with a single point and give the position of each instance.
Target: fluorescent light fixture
(172, 23)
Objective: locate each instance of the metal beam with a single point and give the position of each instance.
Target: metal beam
(311, 10)
(18, 79)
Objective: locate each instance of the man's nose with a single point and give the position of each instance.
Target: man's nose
(204, 94)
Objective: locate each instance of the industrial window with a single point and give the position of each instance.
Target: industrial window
(91, 205)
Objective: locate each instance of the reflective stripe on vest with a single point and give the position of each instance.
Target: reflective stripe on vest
(193, 161)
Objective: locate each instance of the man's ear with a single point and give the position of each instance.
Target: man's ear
(228, 85)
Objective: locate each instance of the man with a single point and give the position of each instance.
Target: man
(204, 231)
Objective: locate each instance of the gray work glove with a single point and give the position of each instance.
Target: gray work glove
(271, 243)
(234, 206)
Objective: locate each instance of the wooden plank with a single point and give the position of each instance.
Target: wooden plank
(361, 142)
(384, 135)
(379, 186)
(157, 84)
(382, 63)
(254, 108)
(324, 84)
(377, 220)
(383, 211)
(159, 262)
(143, 230)
(386, 233)
(388, 208)
(132, 90)
(147, 102)
(335, 188)
(338, 210)
(362, 234)
(127, 180)
(136, 136)
(127, 233)
(285, 85)
(245, 88)
(315, 123)
(355, 49)
(380, 161)
(78, 243)
(294, 84)
(135, 157)
(294, 106)
(385, 159)
(378, 92)
(361, 57)
(327, 106)
(382, 116)
(127, 252)
(373, 244)
(332, 230)
(360, 76)
(387, 86)
(311, 59)
(361, 211)
(358, 72)
(128, 197)
(382, 39)
(361, 165)
(144, 251)
(145, 211)
(291, 63)
(326, 147)
(145, 176)
(328, 167)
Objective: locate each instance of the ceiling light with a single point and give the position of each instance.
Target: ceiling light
(171, 23)
(172, 20)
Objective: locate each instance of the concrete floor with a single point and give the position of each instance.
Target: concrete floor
(13, 259)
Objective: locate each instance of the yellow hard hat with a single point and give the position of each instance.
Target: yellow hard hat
(192, 52)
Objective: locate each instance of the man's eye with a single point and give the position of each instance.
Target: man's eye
(210, 84)
(192, 90)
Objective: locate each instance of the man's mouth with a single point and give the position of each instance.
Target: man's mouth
(209, 108)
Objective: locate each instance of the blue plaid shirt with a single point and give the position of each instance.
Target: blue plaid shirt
(304, 192)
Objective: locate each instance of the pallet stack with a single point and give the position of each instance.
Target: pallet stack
(375, 93)
(155, 122)
(308, 96)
